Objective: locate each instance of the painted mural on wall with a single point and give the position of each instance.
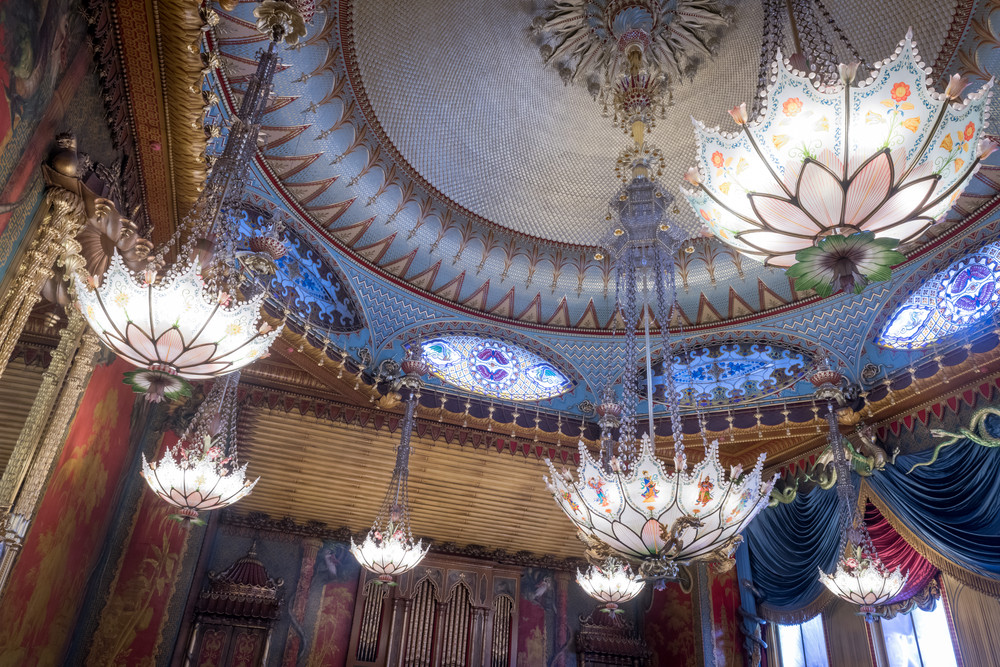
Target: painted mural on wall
(48, 582)
(320, 585)
(39, 41)
(725, 595)
(669, 628)
(549, 614)
(130, 630)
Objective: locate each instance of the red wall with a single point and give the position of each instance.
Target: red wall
(48, 581)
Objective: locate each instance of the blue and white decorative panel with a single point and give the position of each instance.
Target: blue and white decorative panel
(733, 373)
(947, 302)
(492, 367)
(308, 284)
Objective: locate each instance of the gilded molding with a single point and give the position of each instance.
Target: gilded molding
(179, 25)
(62, 218)
(33, 484)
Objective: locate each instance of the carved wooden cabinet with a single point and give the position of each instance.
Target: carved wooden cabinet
(234, 616)
(447, 612)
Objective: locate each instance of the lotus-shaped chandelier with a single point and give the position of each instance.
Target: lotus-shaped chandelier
(860, 578)
(188, 322)
(612, 582)
(834, 174)
(650, 514)
(628, 505)
(389, 548)
(178, 328)
(201, 472)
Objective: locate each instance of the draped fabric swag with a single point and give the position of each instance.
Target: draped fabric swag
(788, 544)
(894, 550)
(947, 511)
(937, 517)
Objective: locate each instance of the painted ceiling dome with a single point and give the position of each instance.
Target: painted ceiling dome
(495, 368)
(733, 373)
(436, 146)
(948, 302)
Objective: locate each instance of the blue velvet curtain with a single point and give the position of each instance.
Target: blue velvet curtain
(952, 505)
(788, 544)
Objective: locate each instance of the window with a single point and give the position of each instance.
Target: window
(919, 639)
(492, 367)
(948, 302)
(803, 645)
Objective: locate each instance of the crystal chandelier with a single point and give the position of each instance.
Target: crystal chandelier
(836, 171)
(628, 505)
(389, 548)
(860, 578)
(201, 472)
(611, 582)
(186, 323)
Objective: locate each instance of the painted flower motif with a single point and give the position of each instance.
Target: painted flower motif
(900, 91)
(911, 124)
(970, 130)
(845, 262)
(792, 106)
(717, 160)
(157, 385)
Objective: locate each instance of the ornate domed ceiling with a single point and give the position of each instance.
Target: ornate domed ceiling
(435, 143)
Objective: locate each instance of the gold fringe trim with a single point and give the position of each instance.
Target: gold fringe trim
(788, 617)
(971, 579)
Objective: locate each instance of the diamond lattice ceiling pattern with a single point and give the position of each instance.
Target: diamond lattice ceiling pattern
(429, 141)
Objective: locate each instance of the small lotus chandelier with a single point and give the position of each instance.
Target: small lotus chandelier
(389, 548)
(187, 323)
(627, 505)
(860, 578)
(201, 472)
(835, 172)
(611, 582)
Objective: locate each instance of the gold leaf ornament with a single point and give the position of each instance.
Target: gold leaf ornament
(276, 17)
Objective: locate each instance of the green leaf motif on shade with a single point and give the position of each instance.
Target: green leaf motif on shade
(845, 262)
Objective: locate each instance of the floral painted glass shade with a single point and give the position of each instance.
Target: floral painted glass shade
(948, 302)
(174, 326)
(887, 155)
(612, 583)
(197, 480)
(388, 555)
(492, 367)
(864, 581)
(650, 513)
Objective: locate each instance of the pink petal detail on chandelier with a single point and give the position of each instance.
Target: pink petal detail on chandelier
(780, 215)
(868, 189)
(820, 194)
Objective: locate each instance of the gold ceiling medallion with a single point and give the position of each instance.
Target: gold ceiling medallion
(585, 40)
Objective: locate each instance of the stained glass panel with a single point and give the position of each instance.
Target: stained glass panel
(731, 373)
(492, 367)
(947, 302)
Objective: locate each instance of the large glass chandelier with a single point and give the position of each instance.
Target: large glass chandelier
(860, 577)
(201, 472)
(199, 318)
(389, 548)
(628, 505)
(836, 171)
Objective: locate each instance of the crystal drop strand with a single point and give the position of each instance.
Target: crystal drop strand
(666, 297)
(845, 490)
(770, 42)
(630, 377)
(817, 47)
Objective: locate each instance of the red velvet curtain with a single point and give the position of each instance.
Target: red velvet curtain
(893, 550)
